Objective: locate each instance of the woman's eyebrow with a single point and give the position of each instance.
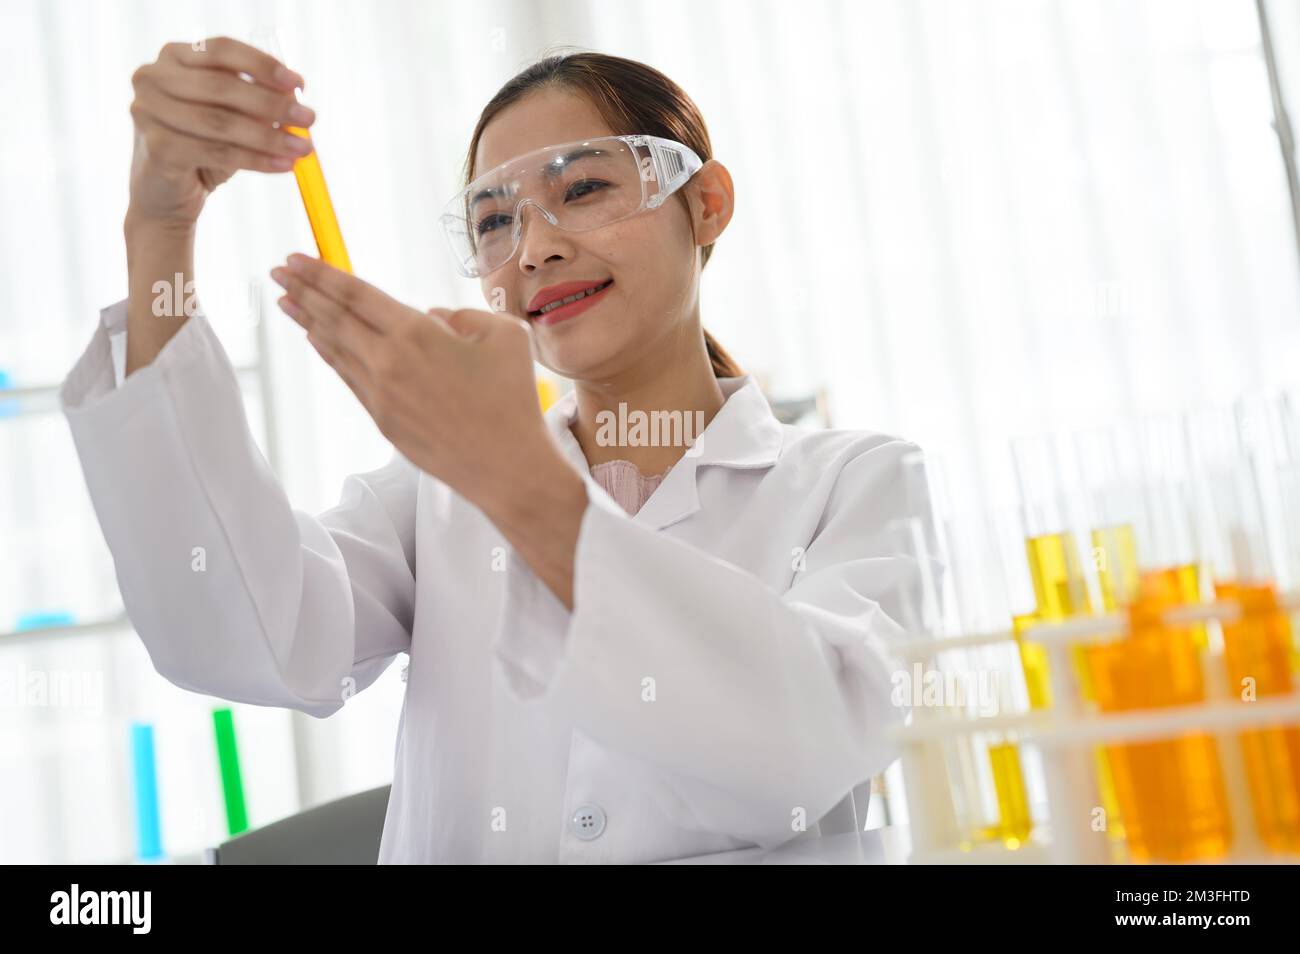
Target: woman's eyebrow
(491, 192)
(551, 169)
(562, 161)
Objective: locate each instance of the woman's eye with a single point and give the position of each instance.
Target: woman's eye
(585, 187)
(491, 222)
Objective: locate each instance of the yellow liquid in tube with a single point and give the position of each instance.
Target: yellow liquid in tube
(1033, 659)
(320, 210)
(1115, 556)
(1059, 589)
(547, 393)
(1014, 819)
(1061, 593)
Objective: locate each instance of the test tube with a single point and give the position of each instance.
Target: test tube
(1051, 549)
(1170, 792)
(932, 772)
(1171, 795)
(1172, 548)
(921, 537)
(1108, 460)
(232, 782)
(969, 550)
(145, 774)
(1016, 587)
(1285, 434)
(1273, 423)
(1062, 590)
(311, 179)
(1258, 643)
(320, 210)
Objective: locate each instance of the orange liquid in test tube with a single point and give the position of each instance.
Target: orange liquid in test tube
(1171, 792)
(1256, 647)
(320, 210)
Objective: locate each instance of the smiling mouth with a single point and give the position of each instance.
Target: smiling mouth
(570, 299)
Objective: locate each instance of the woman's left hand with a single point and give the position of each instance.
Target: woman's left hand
(452, 389)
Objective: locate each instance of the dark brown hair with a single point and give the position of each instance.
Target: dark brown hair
(633, 99)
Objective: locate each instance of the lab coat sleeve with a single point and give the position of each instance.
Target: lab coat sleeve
(234, 593)
(768, 707)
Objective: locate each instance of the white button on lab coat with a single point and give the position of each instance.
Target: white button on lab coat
(725, 672)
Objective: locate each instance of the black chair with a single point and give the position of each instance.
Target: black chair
(341, 832)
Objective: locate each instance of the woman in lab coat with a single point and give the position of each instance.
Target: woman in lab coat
(594, 676)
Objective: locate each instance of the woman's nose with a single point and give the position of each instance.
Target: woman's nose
(540, 240)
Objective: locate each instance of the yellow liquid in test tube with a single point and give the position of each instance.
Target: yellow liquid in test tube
(1014, 819)
(1061, 593)
(1256, 648)
(320, 210)
(547, 393)
(1033, 659)
(1057, 576)
(1114, 553)
(1059, 588)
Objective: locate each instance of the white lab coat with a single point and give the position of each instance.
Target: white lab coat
(726, 670)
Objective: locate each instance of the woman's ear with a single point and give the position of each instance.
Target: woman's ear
(713, 199)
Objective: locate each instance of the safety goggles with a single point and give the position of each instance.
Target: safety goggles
(575, 186)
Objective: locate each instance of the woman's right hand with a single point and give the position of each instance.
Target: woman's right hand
(197, 121)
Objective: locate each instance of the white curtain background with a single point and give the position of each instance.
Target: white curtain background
(965, 220)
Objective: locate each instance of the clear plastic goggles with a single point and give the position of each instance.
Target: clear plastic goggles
(575, 186)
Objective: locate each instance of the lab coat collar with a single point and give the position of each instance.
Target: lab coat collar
(743, 434)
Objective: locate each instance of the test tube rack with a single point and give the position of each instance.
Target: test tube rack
(1065, 735)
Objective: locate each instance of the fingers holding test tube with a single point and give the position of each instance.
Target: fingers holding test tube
(202, 112)
(404, 364)
(224, 53)
(335, 292)
(196, 105)
(345, 318)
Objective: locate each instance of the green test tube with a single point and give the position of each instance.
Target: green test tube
(232, 785)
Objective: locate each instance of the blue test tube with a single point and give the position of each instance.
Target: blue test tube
(148, 823)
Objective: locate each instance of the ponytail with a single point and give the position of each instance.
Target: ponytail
(724, 365)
